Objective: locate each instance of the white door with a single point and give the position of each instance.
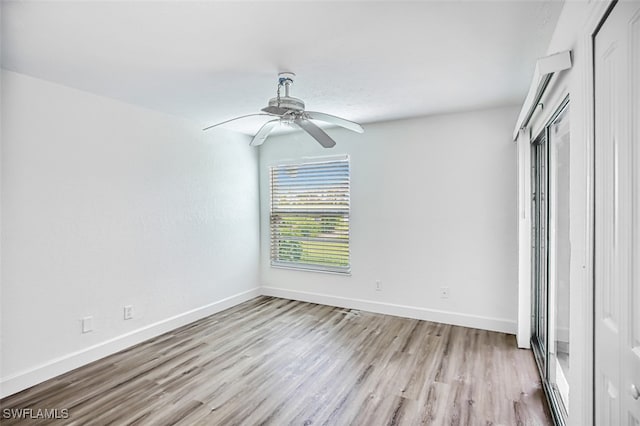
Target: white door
(617, 217)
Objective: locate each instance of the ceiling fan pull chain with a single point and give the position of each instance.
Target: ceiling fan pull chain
(286, 82)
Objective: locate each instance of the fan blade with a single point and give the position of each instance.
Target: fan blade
(316, 132)
(263, 133)
(332, 119)
(234, 119)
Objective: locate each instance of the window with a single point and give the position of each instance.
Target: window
(309, 217)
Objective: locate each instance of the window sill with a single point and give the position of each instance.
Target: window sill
(311, 269)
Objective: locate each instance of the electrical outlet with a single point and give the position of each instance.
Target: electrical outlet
(128, 312)
(444, 292)
(87, 324)
(378, 285)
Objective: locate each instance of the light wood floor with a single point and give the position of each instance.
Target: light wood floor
(275, 361)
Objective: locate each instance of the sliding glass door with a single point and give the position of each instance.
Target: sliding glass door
(550, 260)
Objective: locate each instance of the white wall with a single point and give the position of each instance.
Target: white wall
(433, 205)
(103, 205)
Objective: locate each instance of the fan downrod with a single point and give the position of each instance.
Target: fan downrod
(287, 104)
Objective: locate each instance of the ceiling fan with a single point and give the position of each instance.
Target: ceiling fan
(290, 111)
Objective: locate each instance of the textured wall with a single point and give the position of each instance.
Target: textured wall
(105, 204)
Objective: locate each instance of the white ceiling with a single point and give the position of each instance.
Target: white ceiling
(210, 61)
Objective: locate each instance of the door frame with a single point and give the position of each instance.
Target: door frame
(592, 134)
(598, 15)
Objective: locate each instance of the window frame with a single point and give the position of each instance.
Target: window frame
(273, 213)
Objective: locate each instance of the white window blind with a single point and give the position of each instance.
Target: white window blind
(310, 215)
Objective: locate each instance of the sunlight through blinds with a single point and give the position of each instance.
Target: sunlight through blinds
(310, 215)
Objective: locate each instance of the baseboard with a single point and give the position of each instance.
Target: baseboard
(446, 317)
(23, 380)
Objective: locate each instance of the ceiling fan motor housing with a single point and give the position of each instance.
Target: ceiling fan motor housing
(287, 102)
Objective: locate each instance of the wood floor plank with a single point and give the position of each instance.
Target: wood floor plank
(272, 361)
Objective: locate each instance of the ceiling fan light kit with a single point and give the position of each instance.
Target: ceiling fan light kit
(289, 110)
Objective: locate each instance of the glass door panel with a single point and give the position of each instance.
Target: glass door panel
(559, 257)
(539, 267)
(550, 260)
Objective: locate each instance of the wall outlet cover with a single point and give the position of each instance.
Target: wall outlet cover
(87, 324)
(128, 312)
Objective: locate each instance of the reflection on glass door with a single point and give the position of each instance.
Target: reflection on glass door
(550, 260)
(559, 256)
